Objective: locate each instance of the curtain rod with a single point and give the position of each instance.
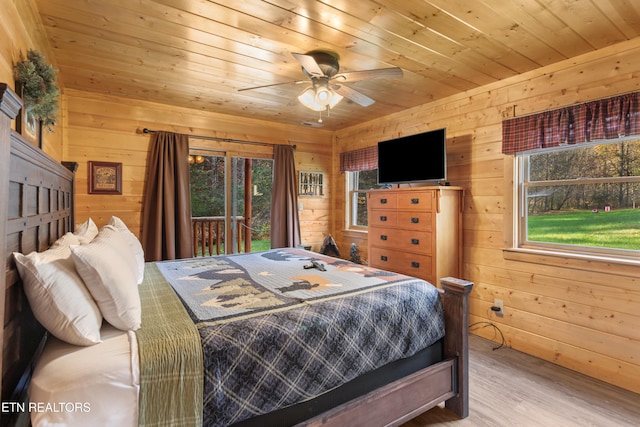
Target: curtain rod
(215, 138)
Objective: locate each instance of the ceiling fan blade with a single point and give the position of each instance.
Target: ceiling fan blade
(354, 95)
(309, 64)
(380, 73)
(297, 82)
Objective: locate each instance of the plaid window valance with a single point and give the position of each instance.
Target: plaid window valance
(602, 119)
(359, 160)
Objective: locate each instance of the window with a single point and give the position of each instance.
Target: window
(360, 168)
(357, 184)
(581, 198)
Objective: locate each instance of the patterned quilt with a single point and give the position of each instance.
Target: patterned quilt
(285, 325)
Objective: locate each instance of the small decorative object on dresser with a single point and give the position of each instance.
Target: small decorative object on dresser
(105, 178)
(417, 231)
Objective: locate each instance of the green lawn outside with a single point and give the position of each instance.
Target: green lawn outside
(614, 229)
(256, 246)
(260, 245)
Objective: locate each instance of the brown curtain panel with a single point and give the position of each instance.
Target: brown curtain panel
(285, 224)
(601, 119)
(166, 213)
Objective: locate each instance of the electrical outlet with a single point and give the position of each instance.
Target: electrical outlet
(498, 307)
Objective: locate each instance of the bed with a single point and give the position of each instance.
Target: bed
(383, 384)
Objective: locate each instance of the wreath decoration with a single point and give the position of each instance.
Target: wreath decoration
(39, 87)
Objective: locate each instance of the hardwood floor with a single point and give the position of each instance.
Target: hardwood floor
(509, 388)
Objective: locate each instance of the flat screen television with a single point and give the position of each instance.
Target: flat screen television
(414, 158)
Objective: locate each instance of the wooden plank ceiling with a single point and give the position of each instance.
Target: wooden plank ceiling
(199, 53)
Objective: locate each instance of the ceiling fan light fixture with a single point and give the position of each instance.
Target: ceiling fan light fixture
(308, 98)
(335, 98)
(323, 95)
(322, 67)
(319, 98)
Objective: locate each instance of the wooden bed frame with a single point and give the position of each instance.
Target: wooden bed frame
(40, 209)
(37, 196)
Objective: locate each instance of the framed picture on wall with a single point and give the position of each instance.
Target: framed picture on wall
(27, 124)
(310, 184)
(105, 178)
(29, 127)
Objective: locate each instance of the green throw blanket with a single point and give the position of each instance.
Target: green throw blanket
(171, 367)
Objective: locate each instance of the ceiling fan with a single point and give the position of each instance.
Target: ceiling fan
(327, 88)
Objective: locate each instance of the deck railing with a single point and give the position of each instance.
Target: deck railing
(208, 234)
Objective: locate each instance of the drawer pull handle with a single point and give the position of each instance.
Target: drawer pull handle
(383, 218)
(415, 220)
(383, 257)
(383, 237)
(415, 264)
(415, 201)
(415, 241)
(383, 201)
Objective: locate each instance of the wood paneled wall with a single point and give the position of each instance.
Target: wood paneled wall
(581, 315)
(106, 128)
(21, 30)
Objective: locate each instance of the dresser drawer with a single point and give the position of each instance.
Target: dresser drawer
(401, 219)
(383, 200)
(418, 200)
(408, 240)
(383, 218)
(415, 220)
(407, 263)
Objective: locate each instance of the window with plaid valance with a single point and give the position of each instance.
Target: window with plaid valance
(608, 118)
(362, 159)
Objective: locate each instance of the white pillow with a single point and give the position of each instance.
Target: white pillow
(86, 231)
(110, 273)
(134, 243)
(66, 240)
(57, 296)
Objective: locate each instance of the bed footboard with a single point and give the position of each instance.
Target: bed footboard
(446, 381)
(456, 339)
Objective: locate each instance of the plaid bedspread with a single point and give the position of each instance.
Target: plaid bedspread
(274, 333)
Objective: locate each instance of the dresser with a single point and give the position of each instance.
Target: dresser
(416, 231)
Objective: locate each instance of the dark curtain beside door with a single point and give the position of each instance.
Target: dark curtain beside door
(285, 223)
(166, 213)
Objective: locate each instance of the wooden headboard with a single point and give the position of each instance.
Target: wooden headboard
(37, 195)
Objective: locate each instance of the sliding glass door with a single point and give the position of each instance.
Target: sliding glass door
(230, 203)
